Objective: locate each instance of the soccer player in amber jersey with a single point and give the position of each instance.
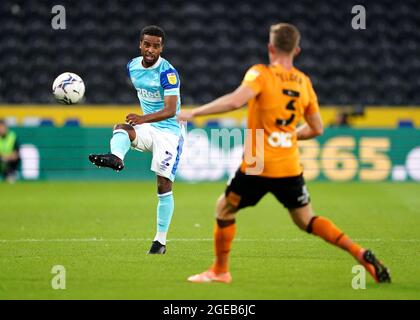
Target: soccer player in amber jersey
(278, 97)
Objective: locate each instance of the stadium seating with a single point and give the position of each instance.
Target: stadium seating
(211, 43)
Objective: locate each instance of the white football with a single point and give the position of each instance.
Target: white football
(68, 88)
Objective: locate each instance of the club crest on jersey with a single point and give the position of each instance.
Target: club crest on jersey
(171, 78)
(251, 75)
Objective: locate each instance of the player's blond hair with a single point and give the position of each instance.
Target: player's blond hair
(285, 37)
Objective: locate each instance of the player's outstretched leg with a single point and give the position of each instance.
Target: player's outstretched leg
(224, 233)
(328, 231)
(120, 143)
(325, 229)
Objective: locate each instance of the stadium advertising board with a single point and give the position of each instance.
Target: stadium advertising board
(213, 154)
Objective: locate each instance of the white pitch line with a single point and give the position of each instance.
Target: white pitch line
(191, 240)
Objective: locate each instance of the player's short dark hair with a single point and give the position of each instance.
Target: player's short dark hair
(153, 31)
(2, 121)
(285, 37)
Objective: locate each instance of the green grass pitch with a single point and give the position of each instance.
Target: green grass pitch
(100, 233)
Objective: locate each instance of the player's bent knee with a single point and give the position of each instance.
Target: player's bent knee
(302, 216)
(123, 126)
(164, 185)
(225, 210)
(225, 215)
(126, 127)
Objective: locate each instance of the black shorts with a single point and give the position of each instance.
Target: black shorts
(247, 190)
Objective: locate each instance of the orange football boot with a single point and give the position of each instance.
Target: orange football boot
(211, 276)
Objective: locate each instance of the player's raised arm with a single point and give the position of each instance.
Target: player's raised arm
(226, 103)
(313, 126)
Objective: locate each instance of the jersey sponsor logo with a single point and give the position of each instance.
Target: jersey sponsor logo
(149, 95)
(251, 75)
(280, 139)
(172, 78)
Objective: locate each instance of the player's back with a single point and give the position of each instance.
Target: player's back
(283, 97)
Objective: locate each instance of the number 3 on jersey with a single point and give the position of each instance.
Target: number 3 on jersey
(284, 139)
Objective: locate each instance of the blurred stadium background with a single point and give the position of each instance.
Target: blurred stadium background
(369, 79)
(368, 84)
